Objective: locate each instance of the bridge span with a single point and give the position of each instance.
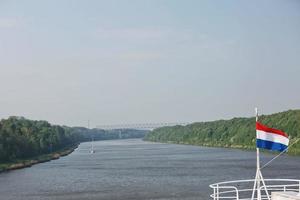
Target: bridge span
(145, 126)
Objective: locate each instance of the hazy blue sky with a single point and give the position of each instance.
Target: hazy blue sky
(148, 61)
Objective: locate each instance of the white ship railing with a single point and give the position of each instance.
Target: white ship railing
(242, 189)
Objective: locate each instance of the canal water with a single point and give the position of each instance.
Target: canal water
(137, 170)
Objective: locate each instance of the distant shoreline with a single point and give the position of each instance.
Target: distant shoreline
(20, 164)
(238, 147)
(241, 147)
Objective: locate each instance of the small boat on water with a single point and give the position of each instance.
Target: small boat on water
(92, 149)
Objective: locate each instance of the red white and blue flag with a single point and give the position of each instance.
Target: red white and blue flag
(269, 138)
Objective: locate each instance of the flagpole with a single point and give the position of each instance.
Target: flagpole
(259, 178)
(257, 164)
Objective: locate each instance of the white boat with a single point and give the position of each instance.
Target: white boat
(92, 149)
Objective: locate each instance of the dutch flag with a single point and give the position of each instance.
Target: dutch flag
(269, 138)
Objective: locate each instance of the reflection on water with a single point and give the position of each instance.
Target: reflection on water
(134, 169)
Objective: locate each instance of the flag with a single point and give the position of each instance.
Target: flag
(269, 138)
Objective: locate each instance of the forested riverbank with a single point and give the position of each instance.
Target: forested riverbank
(234, 133)
(24, 142)
(28, 162)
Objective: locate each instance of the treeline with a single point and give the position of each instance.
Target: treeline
(98, 134)
(21, 138)
(236, 132)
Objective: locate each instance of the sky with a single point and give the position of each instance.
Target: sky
(143, 61)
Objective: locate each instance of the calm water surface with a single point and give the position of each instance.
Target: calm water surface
(134, 169)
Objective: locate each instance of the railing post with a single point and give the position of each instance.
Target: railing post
(284, 188)
(237, 194)
(217, 192)
(299, 187)
(214, 193)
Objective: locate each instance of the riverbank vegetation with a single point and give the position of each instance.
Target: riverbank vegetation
(24, 141)
(235, 133)
(28, 162)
